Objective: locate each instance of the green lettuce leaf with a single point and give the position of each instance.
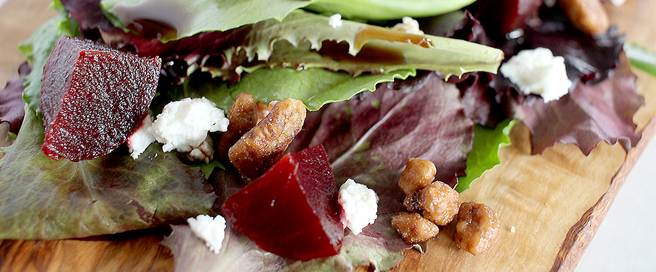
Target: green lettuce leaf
(310, 41)
(485, 151)
(387, 9)
(641, 58)
(38, 47)
(190, 17)
(41, 198)
(315, 87)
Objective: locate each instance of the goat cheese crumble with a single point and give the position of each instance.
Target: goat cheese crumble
(408, 25)
(184, 124)
(618, 2)
(538, 71)
(335, 20)
(141, 138)
(211, 230)
(359, 205)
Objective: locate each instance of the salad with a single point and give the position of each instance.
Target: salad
(364, 135)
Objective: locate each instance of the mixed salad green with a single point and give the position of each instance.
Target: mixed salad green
(375, 97)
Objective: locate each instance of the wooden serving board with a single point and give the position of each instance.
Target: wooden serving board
(549, 205)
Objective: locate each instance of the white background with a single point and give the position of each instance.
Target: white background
(626, 239)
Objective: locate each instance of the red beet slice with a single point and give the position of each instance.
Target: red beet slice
(92, 97)
(291, 210)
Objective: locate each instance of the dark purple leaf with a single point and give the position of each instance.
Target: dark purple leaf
(501, 17)
(586, 58)
(596, 109)
(89, 16)
(588, 115)
(371, 137)
(484, 95)
(93, 22)
(12, 106)
(458, 25)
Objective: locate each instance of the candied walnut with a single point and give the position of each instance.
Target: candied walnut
(417, 174)
(264, 145)
(411, 202)
(413, 228)
(264, 110)
(243, 116)
(439, 203)
(588, 16)
(477, 227)
(203, 152)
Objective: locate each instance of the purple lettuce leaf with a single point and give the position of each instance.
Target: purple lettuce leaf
(586, 58)
(41, 198)
(90, 17)
(603, 100)
(12, 106)
(95, 25)
(485, 96)
(301, 40)
(599, 108)
(368, 138)
(586, 116)
(458, 25)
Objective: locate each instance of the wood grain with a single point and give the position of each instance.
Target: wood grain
(18, 19)
(549, 205)
(135, 251)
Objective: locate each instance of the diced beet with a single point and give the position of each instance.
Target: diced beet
(501, 17)
(291, 210)
(92, 97)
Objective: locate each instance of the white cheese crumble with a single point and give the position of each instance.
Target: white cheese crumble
(408, 25)
(141, 138)
(211, 230)
(359, 206)
(184, 124)
(335, 20)
(537, 71)
(618, 2)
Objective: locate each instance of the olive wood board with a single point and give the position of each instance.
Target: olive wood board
(549, 205)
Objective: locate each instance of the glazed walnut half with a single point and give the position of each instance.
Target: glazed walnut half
(413, 228)
(264, 144)
(438, 203)
(588, 16)
(417, 175)
(243, 116)
(477, 227)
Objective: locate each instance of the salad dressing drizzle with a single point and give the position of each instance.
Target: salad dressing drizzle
(381, 33)
(370, 51)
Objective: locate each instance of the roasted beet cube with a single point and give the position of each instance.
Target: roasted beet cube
(92, 97)
(291, 210)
